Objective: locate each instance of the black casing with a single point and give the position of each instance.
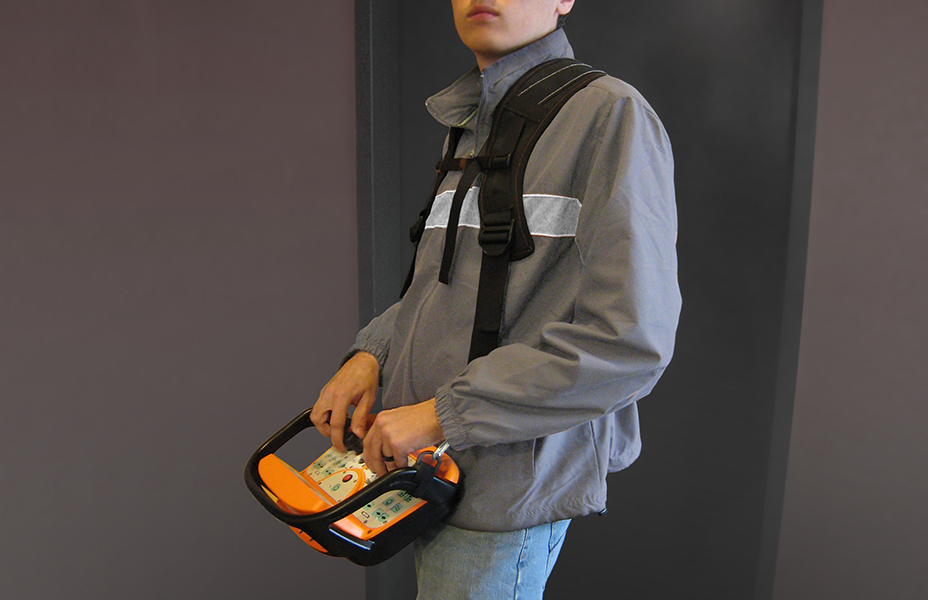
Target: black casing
(419, 480)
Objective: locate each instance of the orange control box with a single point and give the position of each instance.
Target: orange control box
(335, 476)
(340, 507)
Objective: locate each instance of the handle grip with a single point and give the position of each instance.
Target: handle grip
(418, 480)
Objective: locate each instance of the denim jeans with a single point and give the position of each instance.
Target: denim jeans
(459, 564)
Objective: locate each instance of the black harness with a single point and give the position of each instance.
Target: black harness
(518, 122)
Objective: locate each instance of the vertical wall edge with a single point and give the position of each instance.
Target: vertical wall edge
(804, 124)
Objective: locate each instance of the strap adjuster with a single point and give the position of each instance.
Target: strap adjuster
(494, 163)
(496, 232)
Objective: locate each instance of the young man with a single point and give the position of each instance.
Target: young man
(588, 327)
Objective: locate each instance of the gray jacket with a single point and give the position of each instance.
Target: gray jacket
(589, 318)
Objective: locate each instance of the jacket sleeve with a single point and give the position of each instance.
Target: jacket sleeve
(375, 337)
(621, 337)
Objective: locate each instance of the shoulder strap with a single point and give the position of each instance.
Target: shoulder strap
(518, 122)
(520, 119)
(447, 163)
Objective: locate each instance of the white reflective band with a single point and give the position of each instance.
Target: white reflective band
(547, 215)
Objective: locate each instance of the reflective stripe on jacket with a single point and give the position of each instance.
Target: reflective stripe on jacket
(589, 318)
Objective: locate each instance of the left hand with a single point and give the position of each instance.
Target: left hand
(398, 432)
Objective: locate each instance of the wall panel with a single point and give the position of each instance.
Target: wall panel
(178, 278)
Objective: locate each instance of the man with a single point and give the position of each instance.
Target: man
(588, 326)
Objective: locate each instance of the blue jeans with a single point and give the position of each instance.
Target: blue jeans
(459, 564)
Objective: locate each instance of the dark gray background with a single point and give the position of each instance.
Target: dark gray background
(177, 280)
(163, 273)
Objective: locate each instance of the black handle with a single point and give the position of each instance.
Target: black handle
(319, 526)
(274, 443)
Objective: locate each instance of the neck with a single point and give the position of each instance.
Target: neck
(485, 60)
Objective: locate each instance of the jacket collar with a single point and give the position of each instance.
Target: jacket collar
(472, 98)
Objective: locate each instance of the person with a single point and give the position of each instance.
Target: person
(588, 326)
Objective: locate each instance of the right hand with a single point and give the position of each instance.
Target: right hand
(355, 384)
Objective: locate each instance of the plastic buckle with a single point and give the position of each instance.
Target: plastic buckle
(500, 162)
(425, 472)
(492, 163)
(495, 232)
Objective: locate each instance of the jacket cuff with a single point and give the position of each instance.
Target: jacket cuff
(379, 351)
(450, 420)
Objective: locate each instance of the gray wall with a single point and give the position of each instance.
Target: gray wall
(178, 278)
(854, 521)
(163, 269)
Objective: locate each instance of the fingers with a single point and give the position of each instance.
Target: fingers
(375, 452)
(329, 415)
(398, 432)
(337, 428)
(379, 455)
(320, 417)
(389, 461)
(355, 384)
(361, 420)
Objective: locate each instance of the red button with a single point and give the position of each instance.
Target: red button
(347, 478)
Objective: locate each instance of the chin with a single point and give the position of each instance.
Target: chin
(486, 45)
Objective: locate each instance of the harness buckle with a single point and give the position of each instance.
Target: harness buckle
(495, 232)
(495, 163)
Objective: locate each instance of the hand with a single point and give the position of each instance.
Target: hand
(399, 432)
(355, 384)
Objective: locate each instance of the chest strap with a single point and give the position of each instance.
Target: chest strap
(418, 228)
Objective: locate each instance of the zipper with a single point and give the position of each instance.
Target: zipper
(481, 106)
